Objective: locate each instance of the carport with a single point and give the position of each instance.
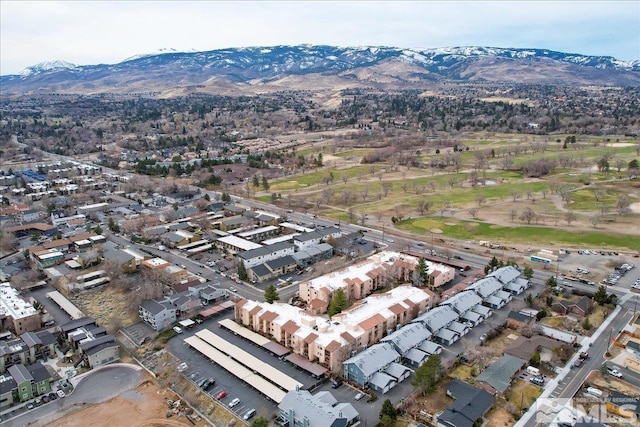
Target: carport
(313, 368)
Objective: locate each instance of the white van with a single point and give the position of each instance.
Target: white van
(594, 391)
(177, 329)
(533, 370)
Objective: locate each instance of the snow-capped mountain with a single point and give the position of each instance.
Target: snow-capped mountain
(46, 66)
(385, 67)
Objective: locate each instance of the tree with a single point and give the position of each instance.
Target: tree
(623, 204)
(265, 183)
(260, 422)
(570, 216)
(528, 215)
(535, 359)
(97, 229)
(113, 226)
(242, 271)
(527, 272)
(493, 264)
(428, 374)
(529, 300)
(586, 324)
(601, 296)
(595, 220)
(256, 181)
(388, 410)
(338, 302)
(422, 272)
(271, 294)
(552, 281)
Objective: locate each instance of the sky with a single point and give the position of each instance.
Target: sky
(94, 32)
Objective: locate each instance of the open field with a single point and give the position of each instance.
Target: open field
(479, 198)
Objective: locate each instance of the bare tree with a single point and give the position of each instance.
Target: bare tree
(423, 206)
(515, 194)
(528, 215)
(570, 216)
(8, 241)
(24, 278)
(599, 194)
(480, 199)
(595, 220)
(386, 186)
(623, 204)
(473, 212)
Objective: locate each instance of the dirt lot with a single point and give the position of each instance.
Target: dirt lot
(611, 383)
(145, 406)
(107, 305)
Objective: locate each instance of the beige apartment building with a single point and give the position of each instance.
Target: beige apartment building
(331, 341)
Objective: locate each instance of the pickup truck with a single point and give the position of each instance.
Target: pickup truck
(583, 355)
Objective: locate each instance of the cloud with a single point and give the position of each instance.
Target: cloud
(108, 32)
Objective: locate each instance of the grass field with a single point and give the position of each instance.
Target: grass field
(475, 230)
(388, 189)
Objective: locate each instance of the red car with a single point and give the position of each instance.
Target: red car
(221, 395)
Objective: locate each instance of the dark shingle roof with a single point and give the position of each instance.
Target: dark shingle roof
(38, 372)
(471, 404)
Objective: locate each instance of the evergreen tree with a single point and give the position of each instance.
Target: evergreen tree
(422, 272)
(256, 181)
(527, 272)
(265, 183)
(429, 374)
(242, 271)
(388, 410)
(338, 302)
(271, 294)
(552, 281)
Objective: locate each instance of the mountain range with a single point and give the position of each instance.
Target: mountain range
(264, 69)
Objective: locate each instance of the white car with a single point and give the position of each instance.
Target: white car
(234, 402)
(61, 393)
(359, 396)
(182, 367)
(615, 373)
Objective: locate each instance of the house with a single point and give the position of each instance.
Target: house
(470, 405)
(367, 367)
(301, 409)
(100, 351)
(31, 381)
(517, 320)
(266, 253)
(463, 302)
(8, 388)
(524, 347)
(581, 307)
(408, 337)
(273, 268)
(438, 318)
(159, 315)
(497, 377)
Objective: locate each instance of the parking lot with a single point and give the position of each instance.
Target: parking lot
(200, 368)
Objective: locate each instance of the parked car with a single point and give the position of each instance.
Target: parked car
(182, 367)
(483, 337)
(250, 413)
(30, 406)
(221, 395)
(61, 393)
(52, 396)
(336, 383)
(359, 396)
(177, 329)
(234, 402)
(614, 372)
(537, 381)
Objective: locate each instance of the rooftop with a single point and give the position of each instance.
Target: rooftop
(12, 304)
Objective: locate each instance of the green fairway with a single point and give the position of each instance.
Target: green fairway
(472, 230)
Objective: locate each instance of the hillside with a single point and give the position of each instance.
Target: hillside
(268, 69)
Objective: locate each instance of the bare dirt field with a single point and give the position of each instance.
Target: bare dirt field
(146, 406)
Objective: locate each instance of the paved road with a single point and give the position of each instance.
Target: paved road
(570, 380)
(97, 386)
